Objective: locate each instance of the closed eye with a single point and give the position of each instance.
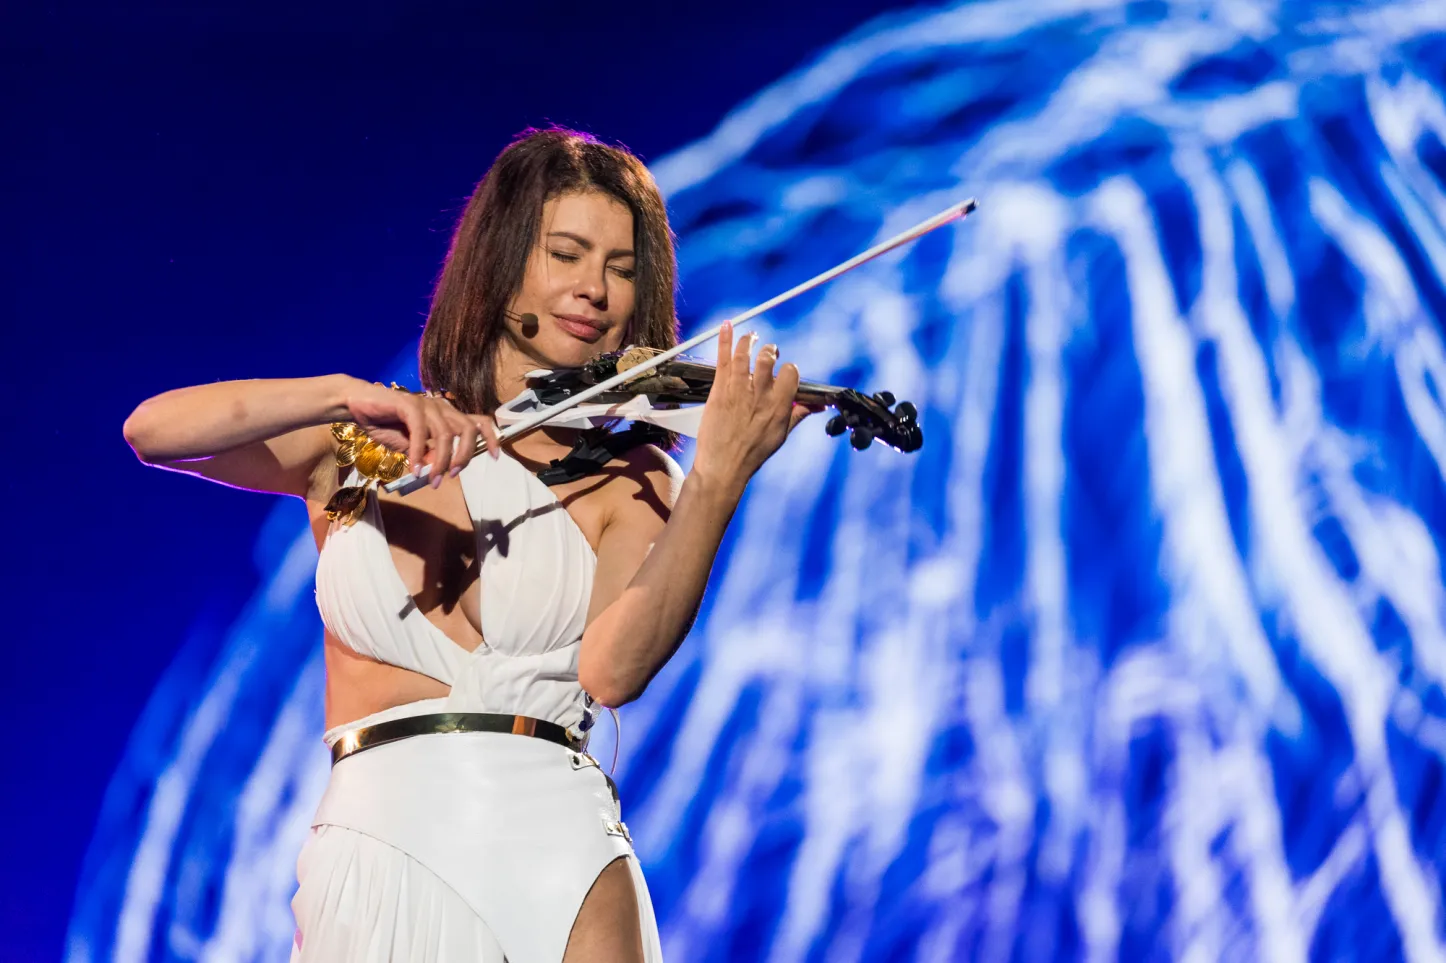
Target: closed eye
(566, 257)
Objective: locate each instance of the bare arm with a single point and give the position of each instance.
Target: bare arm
(655, 554)
(265, 435)
(271, 435)
(653, 563)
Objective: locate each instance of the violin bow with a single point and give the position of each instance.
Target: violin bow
(411, 482)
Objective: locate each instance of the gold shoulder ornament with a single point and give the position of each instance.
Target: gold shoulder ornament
(373, 462)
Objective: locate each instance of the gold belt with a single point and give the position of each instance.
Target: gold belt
(369, 737)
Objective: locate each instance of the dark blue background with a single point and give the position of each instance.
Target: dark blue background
(248, 190)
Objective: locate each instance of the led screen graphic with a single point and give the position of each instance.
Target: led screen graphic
(1142, 657)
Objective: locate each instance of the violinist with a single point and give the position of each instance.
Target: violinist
(475, 628)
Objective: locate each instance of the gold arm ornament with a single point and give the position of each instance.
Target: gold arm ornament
(375, 463)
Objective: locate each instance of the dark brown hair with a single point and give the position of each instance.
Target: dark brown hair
(497, 231)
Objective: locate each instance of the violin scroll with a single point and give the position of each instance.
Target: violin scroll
(866, 418)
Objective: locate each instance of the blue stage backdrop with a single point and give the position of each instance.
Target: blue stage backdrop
(1142, 657)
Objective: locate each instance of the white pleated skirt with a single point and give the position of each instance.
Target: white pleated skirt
(458, 847)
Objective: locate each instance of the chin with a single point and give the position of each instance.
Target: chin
(569, 352)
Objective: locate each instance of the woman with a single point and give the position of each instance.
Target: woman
(488, 593)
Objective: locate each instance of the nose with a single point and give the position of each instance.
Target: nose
(591, 286)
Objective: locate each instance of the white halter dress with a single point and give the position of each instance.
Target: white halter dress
(465, 846)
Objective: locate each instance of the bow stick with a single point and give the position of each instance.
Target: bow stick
(410, 483)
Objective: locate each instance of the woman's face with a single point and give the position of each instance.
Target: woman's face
(578, 287)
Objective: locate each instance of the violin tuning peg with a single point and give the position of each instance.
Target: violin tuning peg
(906, 412)
(836, 426)
(861, 438)
(885, 398)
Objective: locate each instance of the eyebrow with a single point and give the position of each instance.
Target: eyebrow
(587, 245)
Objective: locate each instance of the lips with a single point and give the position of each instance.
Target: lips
(584, 329)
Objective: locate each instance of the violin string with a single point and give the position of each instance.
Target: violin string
(409, 483)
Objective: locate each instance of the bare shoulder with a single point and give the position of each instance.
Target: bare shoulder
(652, 463)
(656, 479)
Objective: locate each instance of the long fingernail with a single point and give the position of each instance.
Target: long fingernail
(455, 471)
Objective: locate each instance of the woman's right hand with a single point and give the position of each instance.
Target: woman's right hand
(428, 428)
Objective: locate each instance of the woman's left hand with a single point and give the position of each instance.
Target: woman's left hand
(749, 412)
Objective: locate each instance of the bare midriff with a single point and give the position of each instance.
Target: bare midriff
(357, 686)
